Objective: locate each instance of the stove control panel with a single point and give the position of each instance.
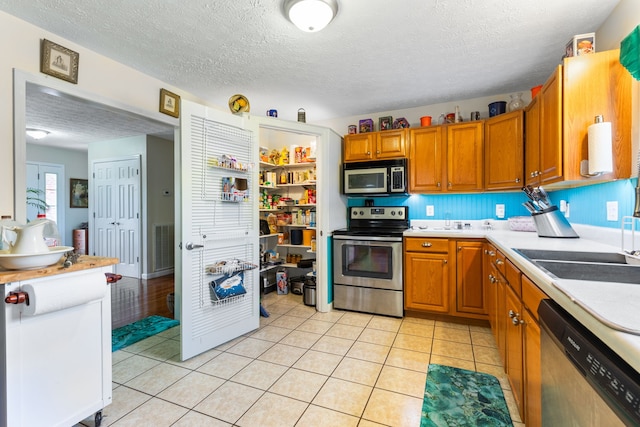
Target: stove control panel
(378, 212)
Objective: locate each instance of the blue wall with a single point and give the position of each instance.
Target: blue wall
(587, 204)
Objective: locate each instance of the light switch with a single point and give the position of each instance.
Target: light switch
(430, 210)
(500, 211)
(612, 211)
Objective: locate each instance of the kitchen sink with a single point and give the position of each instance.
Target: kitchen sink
(604, 257)
(595, 272)
(588, 266)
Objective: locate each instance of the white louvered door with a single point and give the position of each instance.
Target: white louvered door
(218, 228)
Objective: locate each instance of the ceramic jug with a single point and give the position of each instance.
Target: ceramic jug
(29, 238)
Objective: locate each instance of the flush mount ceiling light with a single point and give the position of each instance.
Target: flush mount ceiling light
(311, 15)
(37, 133)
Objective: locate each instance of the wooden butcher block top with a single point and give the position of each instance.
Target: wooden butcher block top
(85, 262)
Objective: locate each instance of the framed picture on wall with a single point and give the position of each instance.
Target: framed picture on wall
(169, 103)
(79, 191)
(58, 61)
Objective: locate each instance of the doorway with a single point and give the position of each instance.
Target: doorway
(90, 116)
(45, 183)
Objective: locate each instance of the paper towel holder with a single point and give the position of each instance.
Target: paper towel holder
(600, 149)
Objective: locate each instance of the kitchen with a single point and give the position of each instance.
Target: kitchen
(581, 212)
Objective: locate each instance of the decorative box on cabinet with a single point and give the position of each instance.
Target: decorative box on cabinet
(81, 241)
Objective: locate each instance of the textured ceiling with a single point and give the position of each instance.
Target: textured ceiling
(377, 55)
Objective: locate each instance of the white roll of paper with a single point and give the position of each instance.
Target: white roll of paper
(600, 148)
(65, 292)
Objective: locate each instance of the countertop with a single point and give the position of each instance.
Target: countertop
(603, 307)
(84, 262)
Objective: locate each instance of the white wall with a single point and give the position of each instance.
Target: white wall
(97, 75)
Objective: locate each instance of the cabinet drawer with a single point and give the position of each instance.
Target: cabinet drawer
(531, 295)
(426, 244)
(500, 262)
(513, 277)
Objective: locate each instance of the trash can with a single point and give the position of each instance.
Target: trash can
(309, 297)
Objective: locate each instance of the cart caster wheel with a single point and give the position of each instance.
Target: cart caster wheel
(98, 418)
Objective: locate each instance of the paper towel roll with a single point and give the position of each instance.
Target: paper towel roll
(600, 149)
(64, 292)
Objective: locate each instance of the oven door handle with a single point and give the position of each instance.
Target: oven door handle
(368, 238)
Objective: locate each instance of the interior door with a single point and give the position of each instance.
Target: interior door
(48, 178)
(115, 198)
(218, 231)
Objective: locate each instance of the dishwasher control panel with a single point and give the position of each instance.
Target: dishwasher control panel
(613, 378)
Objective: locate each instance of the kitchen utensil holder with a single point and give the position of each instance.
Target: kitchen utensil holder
(551, 222)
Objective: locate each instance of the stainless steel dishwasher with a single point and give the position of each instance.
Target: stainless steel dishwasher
(584, 383)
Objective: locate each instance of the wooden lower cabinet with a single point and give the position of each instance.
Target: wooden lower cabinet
(469, 278)
(532, 373)
(444, 276)
(426, 275)
(514, 345)
(511, 300)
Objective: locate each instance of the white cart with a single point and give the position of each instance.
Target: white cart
(56, 351)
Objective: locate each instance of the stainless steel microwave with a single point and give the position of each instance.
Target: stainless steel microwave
(381, 177)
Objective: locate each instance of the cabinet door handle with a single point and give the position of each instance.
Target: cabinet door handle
(492, 253)
(438, 185)
(378, 152)
(499, 262)
(368, 153)
(426, 245)
(449, 184)
(444, 261)
(517, 180)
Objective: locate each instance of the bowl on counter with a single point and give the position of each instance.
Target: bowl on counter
(10, 261)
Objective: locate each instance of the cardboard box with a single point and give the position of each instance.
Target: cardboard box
(282, 284)
(581, 44)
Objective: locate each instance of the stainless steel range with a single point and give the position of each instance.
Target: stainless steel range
(367, 260)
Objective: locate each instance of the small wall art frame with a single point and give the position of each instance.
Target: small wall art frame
(169, 103)
(385, 123)
(58, 61)
(79, 191)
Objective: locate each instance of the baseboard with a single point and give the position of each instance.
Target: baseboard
(156, 274)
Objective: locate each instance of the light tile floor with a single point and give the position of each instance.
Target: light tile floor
(300, 368)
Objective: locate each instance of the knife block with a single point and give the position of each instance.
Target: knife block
(551, 222)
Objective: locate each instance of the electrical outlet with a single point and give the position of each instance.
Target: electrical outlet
(612, 211)
(430, 210)
(500, 211)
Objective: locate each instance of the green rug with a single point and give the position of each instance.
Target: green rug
(457, 397)
(137, 331)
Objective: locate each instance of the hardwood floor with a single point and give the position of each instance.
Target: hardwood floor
(135, 299)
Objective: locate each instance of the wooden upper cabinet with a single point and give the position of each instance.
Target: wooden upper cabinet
(426, 160)
(504, 151)
(532, 141)
(391, 144)
(550, 168)
(578, 90)
(388, 144)
(604, 89)
(465, 156)
(359, 147)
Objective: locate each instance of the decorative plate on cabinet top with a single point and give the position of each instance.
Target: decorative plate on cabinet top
(239, 104)
(400, 123)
